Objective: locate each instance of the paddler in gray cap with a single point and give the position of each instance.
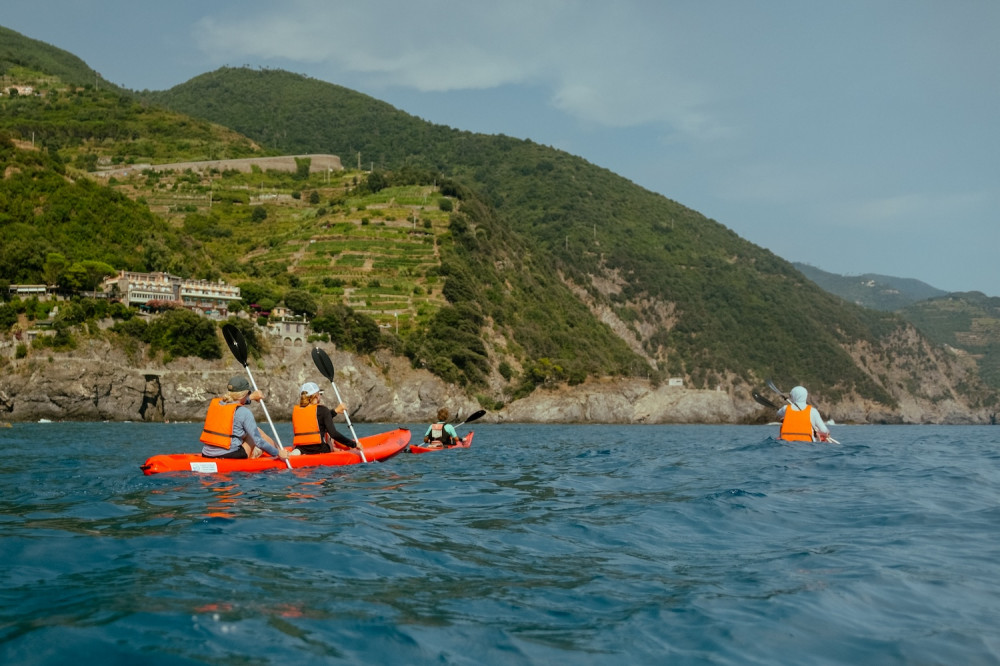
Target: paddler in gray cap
(231, 430)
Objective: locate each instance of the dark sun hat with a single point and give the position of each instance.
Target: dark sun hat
(239, 383)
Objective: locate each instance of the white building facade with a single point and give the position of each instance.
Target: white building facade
(152, 290)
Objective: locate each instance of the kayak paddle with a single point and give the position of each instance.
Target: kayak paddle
(325, 366)
(473, 417)
(238, 345)
(771, 385)
(764, 401)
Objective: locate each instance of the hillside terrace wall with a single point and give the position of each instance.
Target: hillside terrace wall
(318, 164)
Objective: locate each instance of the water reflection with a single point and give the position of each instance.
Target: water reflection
(223, 497)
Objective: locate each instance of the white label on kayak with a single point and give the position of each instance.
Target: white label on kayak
(206, 467)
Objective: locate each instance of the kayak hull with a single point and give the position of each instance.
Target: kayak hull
(463, 443)
(377, 447)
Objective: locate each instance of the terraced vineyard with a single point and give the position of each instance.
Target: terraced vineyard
(377, 253)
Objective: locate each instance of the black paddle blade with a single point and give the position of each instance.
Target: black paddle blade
(762, 400)
(771, 385)
(473, 416)
(237, 343)
(323, 362)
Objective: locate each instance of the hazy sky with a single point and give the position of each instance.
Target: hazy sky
(859, 136)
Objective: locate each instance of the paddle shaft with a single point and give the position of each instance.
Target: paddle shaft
(350, 425)
(238, 345)
(325, 366)
(274, 430)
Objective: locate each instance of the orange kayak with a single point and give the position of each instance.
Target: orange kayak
(463, 443)
(377, 447)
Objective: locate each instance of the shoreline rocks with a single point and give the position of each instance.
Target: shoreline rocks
(97, 383)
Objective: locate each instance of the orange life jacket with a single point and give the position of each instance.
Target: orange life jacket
(218, 430)
(305, 425)
(797, 425)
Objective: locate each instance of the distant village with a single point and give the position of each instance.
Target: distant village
(153, 292)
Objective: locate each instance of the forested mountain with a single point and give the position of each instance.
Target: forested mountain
(879, 292)
(50, 222)
(550, 268)
(969, 322)
(18, 51)
(686, 292)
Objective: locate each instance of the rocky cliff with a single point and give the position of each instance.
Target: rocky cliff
(98, 382)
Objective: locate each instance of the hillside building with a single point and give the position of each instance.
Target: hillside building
(291, 329)
(40, 291)
(148, 290)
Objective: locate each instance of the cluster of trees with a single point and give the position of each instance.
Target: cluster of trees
(62, 317)
(52, 224)
(85, 275)
(175, 333)
(349, 329)
(18, 53)
(112, 124)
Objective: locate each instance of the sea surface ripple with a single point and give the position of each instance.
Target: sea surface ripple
(539, 544)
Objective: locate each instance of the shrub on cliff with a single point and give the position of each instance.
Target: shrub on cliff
(175, 333)
(184, 333)
(349, 329)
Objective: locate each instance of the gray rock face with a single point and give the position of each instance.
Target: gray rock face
(99, 383)
(96, 383)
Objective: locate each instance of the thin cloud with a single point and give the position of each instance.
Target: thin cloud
(601, 65)
(912, 211)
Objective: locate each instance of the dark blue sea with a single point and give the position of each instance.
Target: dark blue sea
(538, 545)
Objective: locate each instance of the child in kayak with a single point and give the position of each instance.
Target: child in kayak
(313, 424)
(230, 429)
(800, 421)
(441, 433)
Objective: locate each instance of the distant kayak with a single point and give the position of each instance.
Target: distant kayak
(377, 447)
(463, 443)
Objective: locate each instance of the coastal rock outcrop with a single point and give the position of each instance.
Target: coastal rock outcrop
(97, 382)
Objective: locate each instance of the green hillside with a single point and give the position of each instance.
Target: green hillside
(43, 212)
(92, 129)
(381, 247)
(20, 55)
(294, 115)
(480, 257)
(879, 292)
(966, 321)
(700, 301)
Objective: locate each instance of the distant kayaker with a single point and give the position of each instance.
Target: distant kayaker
(441, 433)
(231, 430)
(313, 424)
(800, 421)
